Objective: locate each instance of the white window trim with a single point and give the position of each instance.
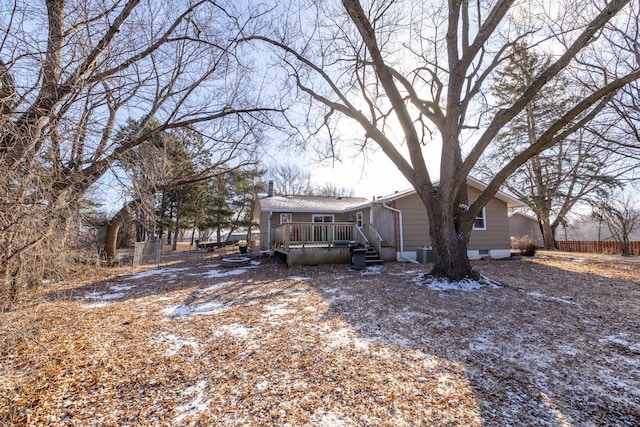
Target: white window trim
(484, 220)
(359, 219)
(286, 218)
(314, 216)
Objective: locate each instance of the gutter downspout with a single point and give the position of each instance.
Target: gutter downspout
(269, 231)
(401, 238)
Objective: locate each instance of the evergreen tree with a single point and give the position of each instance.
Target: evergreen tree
(553, 181)
(229, 203)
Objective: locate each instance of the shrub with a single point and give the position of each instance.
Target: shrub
(527, 245)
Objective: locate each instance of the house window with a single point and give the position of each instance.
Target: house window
(480, 222)
(359, 220)
(285, 218)
(322, 218)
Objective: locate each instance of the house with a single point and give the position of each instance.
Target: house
(401, 221)
(311, 229)
(318, 229)
(521, 225)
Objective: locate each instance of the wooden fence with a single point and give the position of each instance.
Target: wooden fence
(597, 247)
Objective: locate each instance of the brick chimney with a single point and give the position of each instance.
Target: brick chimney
(270, 189)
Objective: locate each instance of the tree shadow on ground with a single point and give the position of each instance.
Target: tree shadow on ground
(176, 273)
(549, 347)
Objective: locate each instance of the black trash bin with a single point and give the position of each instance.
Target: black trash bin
(358, 255)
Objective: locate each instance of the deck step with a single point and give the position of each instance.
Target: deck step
(372, 257)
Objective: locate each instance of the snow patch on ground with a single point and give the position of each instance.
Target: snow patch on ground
(461, 285)
(373, 269)
(336, 294)
(344, 337)
(330, 419)
(343, 297)
(213, 273)
(547, 297)
(235, 330)
(175, 343)
(405, 273)
(214, 287)
(183, 310)
(118, 288)
(96, 304)
(300, 278)
(443, 284)
(101, 298)
(483, 343)
(169, 298)
(407, 315)
(160, 271)
(276, 310)
(197, 405)
(621, 340)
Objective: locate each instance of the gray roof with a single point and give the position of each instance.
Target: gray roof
(511, 201)
(323, 204)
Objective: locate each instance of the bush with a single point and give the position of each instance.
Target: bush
(527, 245)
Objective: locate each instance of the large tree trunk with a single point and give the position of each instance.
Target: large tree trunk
(111, 239)
(449, 241)
(626, 247)
(219, 235)
(548, 235)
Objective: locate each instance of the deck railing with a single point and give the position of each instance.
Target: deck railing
(320, 234)
(375, 240)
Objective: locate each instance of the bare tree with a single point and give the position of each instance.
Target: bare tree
(411, 75)
(289, 179)
(554, 180)
(621, 212)
(331, 189)
(65, 90)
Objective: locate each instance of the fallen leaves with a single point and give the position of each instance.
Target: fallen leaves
(328, 346)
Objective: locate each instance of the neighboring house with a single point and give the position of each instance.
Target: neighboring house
(396, 227)
(521, 225)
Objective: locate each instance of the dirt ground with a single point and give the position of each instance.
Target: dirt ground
(556, 343)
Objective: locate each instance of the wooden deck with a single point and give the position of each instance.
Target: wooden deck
(309, 235)
(310, 243)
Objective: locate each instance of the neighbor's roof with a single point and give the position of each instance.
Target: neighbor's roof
(320, 204)
(511, 201)
(525, 216)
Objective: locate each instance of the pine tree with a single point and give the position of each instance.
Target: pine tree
(553, 181)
